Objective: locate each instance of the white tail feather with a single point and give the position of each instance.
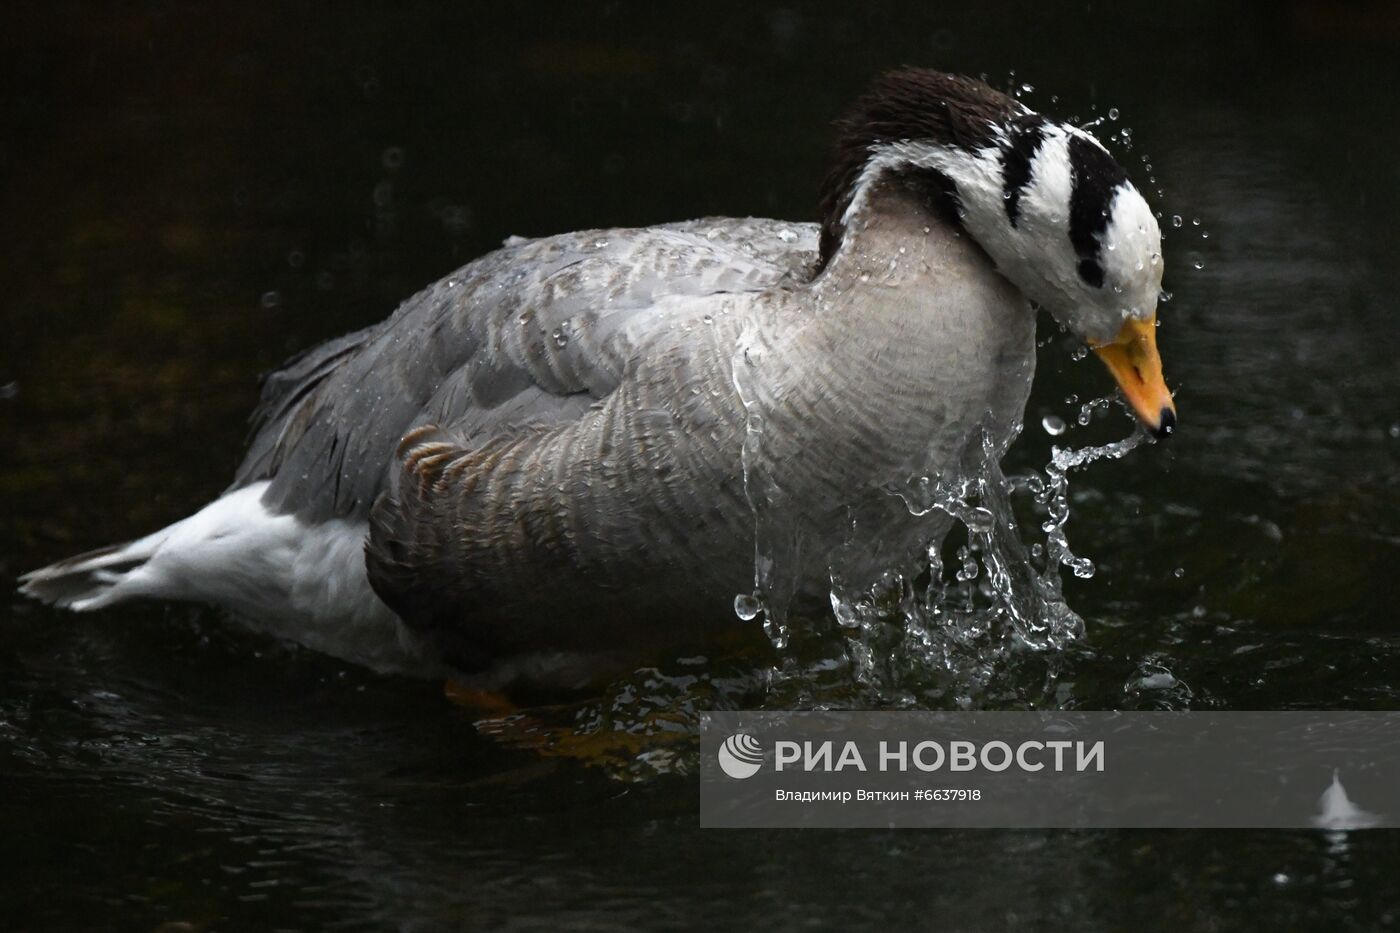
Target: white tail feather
(302, 582)
(91, 580)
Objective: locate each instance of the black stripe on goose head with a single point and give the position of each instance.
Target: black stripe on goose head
(909, 104)
(1095, 178)
(1023, 139)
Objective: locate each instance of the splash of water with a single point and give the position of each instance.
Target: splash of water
(943, 622)
(1337, 811)
(1053, 494)
(949, 622)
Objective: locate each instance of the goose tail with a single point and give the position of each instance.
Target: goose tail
(98, 578)
(275, 573)
(233, 552)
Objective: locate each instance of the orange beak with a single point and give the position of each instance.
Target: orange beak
(1132, 359)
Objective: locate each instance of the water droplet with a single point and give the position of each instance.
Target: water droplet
(270, 300)
(1113, 113)
(1054, 425)
(969, 569)
(1179, 572)
(979, 519)
(1195, 221)
(747, 606)
(1176, 220)
(846, 615)
(392, 157)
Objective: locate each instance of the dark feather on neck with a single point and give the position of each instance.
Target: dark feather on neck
(907, 104)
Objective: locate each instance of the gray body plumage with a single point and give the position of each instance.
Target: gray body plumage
(531, 334)
(573, 472)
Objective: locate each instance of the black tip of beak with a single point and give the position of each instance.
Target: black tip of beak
(1166, 425)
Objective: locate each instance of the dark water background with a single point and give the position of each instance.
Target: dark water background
(191, 192)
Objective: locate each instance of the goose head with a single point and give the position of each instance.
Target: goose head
(1054, 212)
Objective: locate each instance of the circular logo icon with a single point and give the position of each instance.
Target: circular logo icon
(740, 756)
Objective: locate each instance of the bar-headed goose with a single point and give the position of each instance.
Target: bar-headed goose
(543, 457)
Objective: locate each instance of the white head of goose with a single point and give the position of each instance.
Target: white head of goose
(536, 468)
(1052, 209)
